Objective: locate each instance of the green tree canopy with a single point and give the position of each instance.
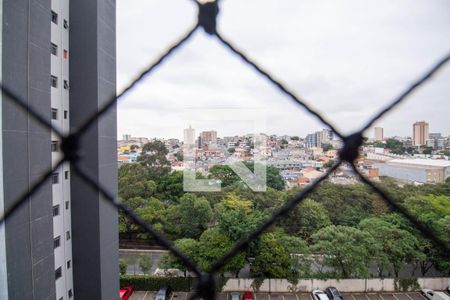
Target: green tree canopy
(214, 244)
(398, 246)
(272, 258)
(186, 246)
(153, 157)
(349, 251)
(346, 204)
(305, 219)
(170, 186)
(189, 218)
(134, 181)
(236, 217)
(227, 176)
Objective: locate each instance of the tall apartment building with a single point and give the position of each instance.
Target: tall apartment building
(59, 56)
(378, 133)
(420, 133)
(208, 137)
(189, 136)
(318, 138)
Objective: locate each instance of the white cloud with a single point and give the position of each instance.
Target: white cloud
(347, 58)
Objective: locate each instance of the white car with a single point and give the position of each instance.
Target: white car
(320, 295)
(432, 295)
(235, 296)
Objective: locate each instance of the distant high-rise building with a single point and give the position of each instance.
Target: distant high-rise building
(326, 136)
(126, 137)
(310, 141)
(436, 141)
(189, 136)
(208, 137)
(378, 133)
(318, 138)
(420, 133)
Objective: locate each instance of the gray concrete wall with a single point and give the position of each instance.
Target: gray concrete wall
(26, 149)
(344, 285)
(92, 83)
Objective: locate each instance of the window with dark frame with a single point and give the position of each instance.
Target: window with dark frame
(54, 146)
(69, 263)
(66, 174)
(54, 17)
(58, 273)
(65, 114)
(54, 114)
(56, 242)
(55, 178)
(67, 235)
(54, 49)
(67, 204)
(56, 210)
(54, 81)
(70, 293)
(66, 24)
(66, 84)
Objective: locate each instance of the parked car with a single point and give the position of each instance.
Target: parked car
(333, 293)
(164, 293)
(319, 295)
(248, 296)
(125, 292)
(235, 296)
(432, 295)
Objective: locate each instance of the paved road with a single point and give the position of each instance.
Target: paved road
(133, 256)
(138, 295)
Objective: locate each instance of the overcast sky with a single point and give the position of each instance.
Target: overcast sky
(348, 59)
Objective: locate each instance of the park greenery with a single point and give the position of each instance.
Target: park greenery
(339, 231)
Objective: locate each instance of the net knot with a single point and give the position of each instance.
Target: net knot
(207, 15)
(207, 286)
(350, 150)
(70, 146)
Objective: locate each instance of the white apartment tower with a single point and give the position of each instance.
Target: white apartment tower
(59, 65)
(189, 136)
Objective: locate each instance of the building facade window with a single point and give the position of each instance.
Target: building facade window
(58, 273)
(54, 81)
(66, 84)
(56, 242)
(65, 114)
(66, 174)
(66, 24)
(66, 54)
(67, 204)
(69, 263)
(54, 49)
(70, 293)
(54, 17)
(54, 114)
(55, 210)
(54, 146)
(68, 235)
(55, 178)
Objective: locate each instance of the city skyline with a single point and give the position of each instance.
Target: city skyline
(369, 133)
(345, 78)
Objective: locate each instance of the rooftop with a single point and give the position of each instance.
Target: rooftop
(421, 162)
